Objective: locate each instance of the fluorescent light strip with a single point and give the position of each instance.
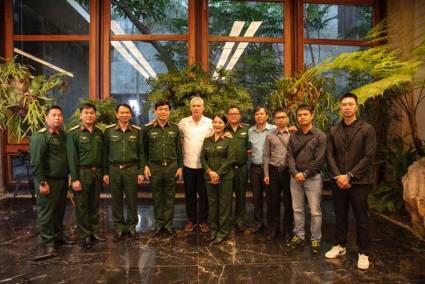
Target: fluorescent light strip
(130, 45)
(253, 27)
(121, 49)
(228, 46)
(134, 50)
(50, 65)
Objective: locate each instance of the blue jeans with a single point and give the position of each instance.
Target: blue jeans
(312, 188)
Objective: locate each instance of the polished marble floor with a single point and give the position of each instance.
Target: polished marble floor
(397, 257)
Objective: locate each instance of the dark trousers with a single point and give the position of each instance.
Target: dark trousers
(280, 186)
(87, 202)
(195, 195)
(357, 197)
(240, 182)
(258, 189)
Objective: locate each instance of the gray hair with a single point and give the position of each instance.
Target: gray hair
(196, 99)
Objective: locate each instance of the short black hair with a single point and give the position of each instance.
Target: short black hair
(348, 95)
(162, 103)
(87, 106)
(233, 106)
(305, 107)
(281, 109)
(53, 107)
(123, 105)
(221, 116)
(258, 108)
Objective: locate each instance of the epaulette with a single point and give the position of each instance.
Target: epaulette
(150, 122)
(227, 134)
(73, 128)
(244, 125)
(176, 124)
(44, 129)
(98, 127)
(137, 127)
(109, 126)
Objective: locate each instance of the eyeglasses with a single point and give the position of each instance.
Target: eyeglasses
(348, 104)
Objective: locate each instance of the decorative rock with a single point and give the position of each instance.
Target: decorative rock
(414, 195)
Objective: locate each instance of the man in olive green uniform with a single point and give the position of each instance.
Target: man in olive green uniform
(163, 164)
(124, 170)
(217, 158)
(239, 132)
(50, 170)
(85, 162)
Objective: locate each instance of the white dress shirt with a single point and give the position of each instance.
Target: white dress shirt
(193, 135)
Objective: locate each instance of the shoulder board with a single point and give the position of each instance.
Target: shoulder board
(137, 127)
(245, 125)
(98, 127)
(109, 126)
(176, 124)
(73, 128)
(228, 134)
(44, 129)
(150, 123)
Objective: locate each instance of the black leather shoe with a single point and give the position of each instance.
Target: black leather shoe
(211, 238)
(157, 233)
(133, 235)
(51, 251)
(65, 242)
(171, 233)
(258, 228)
(117, 237)
(86, 243)
(273, 234)
(97, 239)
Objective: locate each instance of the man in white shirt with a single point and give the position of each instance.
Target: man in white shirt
(194, 129)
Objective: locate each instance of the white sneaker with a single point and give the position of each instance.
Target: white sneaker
(363, 262)
(335, 251)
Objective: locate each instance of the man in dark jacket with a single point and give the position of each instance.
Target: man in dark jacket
(350, 153)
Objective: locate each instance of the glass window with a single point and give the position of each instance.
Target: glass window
(59, 17)
(133, 62)
(70, 58)
(316, 53)
(245, 18)
(337, 21)
(149, 17)
(255, 65)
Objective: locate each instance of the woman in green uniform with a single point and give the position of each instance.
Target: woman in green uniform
(217, 157)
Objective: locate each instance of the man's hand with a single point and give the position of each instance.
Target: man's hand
(292, 129)
(266, 180)
(147, 172)
(106, 179)
(140, 179)
(343, 181)
(179, 174)
(76, 186)
(44, 188)
(299, 177)
(215, 178)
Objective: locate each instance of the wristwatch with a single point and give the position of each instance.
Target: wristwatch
(350, 175)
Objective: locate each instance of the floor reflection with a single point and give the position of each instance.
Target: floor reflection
(397, 257)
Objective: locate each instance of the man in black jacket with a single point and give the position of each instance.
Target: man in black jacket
(350, 153)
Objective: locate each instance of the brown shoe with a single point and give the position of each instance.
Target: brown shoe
(189, 227)
(204, 228)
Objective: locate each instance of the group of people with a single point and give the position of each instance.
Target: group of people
(215, 157)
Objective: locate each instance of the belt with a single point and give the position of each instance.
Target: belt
(163, 163)
(279, 169)
(124, 166)
(93, 168)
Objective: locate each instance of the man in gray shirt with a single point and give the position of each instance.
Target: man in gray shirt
(276, 175)
(306, 154)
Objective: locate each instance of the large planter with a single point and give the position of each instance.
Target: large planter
(414, 195)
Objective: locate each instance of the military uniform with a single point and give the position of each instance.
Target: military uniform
(123, 164)
(49, 164)
(240, 170)
(85, 162)
(163, 155)
(219, 156)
